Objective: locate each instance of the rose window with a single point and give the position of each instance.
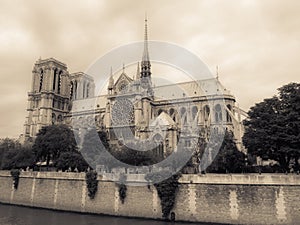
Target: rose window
(122, 112)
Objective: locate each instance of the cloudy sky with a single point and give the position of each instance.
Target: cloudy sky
(256, 43)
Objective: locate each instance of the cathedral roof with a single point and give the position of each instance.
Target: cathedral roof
(201, 88)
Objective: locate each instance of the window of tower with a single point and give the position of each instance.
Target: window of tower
(88, 90)
(75, 90)
(41, 80)
(54, 79)
(71, 90)
(59, 82)
(83, 92)
(53, 118)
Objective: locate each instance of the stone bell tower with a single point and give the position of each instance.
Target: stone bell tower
(49, 96)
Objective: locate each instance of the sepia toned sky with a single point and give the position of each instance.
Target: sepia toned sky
(255, 43)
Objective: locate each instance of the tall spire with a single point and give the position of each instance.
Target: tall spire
(146, 53)
(146, 72)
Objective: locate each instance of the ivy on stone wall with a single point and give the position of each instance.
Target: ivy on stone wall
(91, 183)
(15, 173)
(122, 188)
(166, 190)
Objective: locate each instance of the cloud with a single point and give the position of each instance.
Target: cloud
(255, 43)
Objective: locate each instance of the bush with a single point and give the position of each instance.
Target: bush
(73, 160)
(92, 183)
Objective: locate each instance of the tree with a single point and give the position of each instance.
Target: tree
(6, 145)
(18, 158)
(93, 151)
(73, 160)
(53, 140)
(272, 130)
(229, 158)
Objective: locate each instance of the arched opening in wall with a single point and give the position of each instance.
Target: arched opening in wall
(158, 139)
(54, 79)
(71, 89)
(41, 79)
(53, 118)
(59, 82)
(228, 116)
(206, 112)
(83, 91)
(75, 90)
(218, 113)
(183, 115)
(88, 90)
(172, 114)
(194, 112)
(59, 118)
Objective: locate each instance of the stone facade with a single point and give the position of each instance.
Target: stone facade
(159, 114)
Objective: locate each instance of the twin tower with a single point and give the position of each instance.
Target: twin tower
(53, 89)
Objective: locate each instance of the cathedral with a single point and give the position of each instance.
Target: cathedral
(131, 103)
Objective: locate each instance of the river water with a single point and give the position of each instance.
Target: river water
(17, 215)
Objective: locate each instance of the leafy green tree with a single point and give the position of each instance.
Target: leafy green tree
(18, 158)
(229, 158)
(95, 148)
(6, 145)
(53, 140)
(272, 130)
(72, 160)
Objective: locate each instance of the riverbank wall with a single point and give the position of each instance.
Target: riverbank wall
(232, 199)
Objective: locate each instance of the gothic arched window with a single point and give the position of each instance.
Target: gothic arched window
(75, 90)
(83, 91)
(53, 118)
(183, 115)
(88, 90)
(218, 113)
(59, 82)
(206, 112)
(41, 79)
(172, 114)
(194, 112)
(71, 89)
(54, 79)
(228, 116)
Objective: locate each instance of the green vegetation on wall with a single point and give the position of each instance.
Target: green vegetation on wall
(15, 173)
(166, 190)
(91, 183)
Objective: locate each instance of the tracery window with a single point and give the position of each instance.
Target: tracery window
(218, 113)
(123, 112)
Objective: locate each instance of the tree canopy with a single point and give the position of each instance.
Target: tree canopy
(228, 159)
(272, 130)
(53, 140)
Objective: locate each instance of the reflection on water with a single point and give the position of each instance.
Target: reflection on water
(16, 215)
